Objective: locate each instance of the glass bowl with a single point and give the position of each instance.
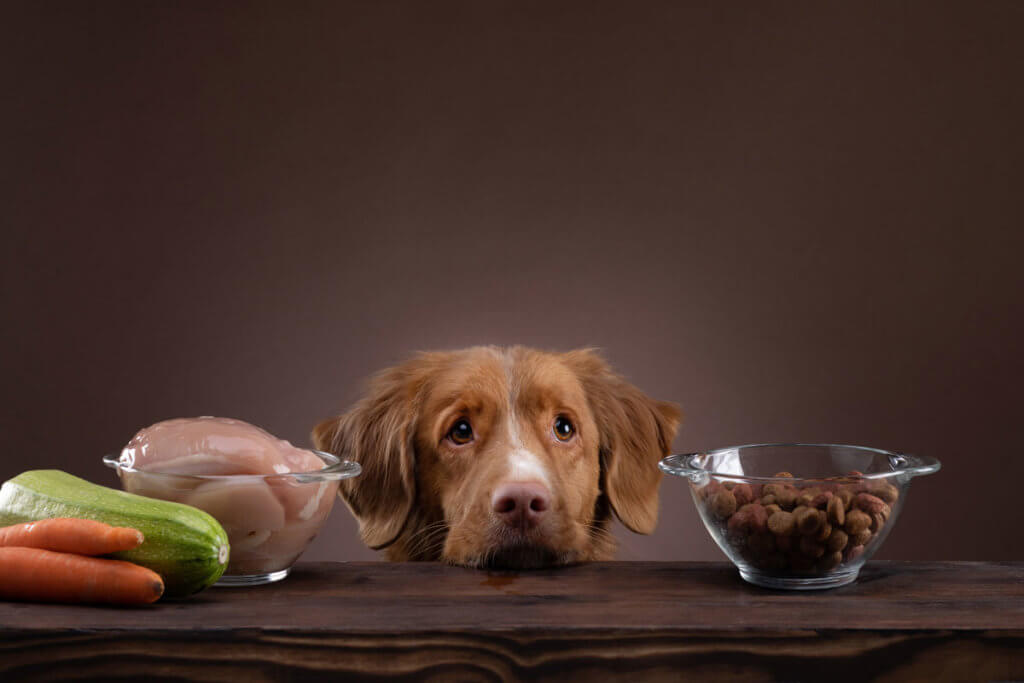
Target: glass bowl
(813, 530)
(269, 519)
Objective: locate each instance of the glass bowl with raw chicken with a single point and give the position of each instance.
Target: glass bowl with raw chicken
(270, 497)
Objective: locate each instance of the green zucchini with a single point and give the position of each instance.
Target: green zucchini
(184, 545)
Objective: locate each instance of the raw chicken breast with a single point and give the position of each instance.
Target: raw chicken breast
(239, 505)
(269, 513)
(214, 445)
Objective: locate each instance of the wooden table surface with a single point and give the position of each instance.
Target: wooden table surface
(613, 621)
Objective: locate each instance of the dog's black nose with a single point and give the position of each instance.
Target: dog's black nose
(520, 505)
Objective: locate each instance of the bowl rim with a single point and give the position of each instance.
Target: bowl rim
(336, 469)
(906, 465)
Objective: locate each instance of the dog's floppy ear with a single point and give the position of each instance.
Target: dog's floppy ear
(378, 433)
(635, 431)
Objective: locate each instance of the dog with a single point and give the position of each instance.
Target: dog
(509, 458)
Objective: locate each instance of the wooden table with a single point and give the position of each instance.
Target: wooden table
(606, 621)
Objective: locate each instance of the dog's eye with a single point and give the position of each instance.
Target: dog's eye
(564, 428)
(461, 432)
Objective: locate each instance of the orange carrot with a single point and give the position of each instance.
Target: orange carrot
(37, 575)
(68, 535)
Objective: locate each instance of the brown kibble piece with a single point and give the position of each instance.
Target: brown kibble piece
(751, 519)
(860, 538)
(729, 485)
(808, 521)
(738, 525)
(877, 521)
(772, 509)
(853, 552)
(830, 561)
(708, 490)
(806, 495)
(868, 503)
(768, 500)
(786, 498)
(821, 500)
(885, 491)
(811, 548)
(826, 529)
(845, 495)
(856, 521)
(837, 541)
(758, 517)
(785, 475)
(743, 494)
(722, 504)
(836, 511)
(782, 523)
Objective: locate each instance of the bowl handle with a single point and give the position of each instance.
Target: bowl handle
(917, 465)
(682, 466)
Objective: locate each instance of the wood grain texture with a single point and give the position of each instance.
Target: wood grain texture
(614, 621)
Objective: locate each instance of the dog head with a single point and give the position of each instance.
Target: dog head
(495, 457)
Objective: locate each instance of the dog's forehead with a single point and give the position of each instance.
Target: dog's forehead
(542, 377)
(516, 377)
(471, 376)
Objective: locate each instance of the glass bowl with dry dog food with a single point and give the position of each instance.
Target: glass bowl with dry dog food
(799, 516)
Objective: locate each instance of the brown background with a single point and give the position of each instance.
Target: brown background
(800, 220)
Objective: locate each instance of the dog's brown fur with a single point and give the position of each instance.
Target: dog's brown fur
(423, 497)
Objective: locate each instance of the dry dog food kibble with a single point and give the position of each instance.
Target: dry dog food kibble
(814, 528)
(722, 504)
